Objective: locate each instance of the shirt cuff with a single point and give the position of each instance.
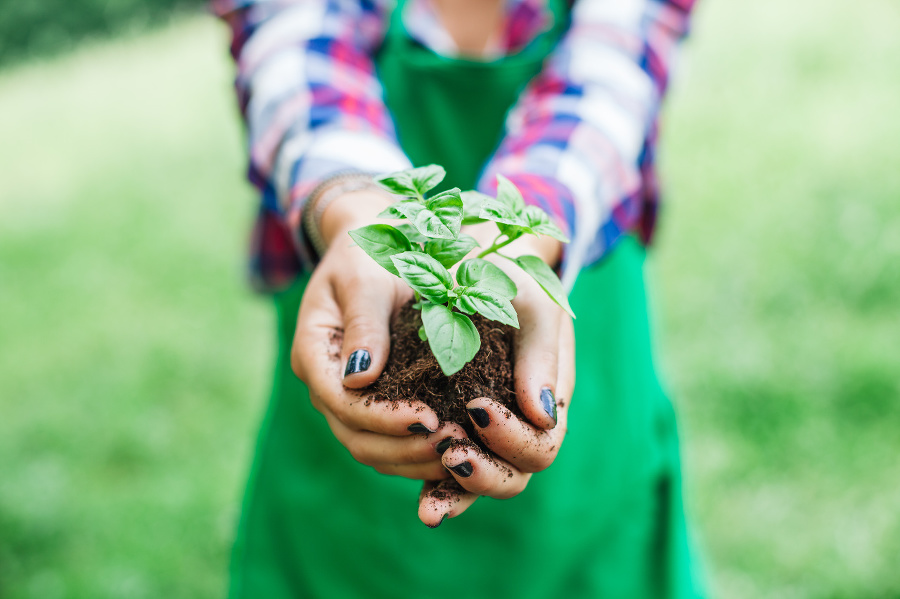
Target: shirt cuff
(305, 166)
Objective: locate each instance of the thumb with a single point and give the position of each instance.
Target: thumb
(537, 364)
(366, 308)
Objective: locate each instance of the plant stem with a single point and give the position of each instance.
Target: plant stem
(496, 246)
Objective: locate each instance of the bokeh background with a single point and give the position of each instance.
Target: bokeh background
(134, 360)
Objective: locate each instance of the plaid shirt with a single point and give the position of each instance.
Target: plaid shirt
(580, 141)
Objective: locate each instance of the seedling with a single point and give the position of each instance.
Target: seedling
(422, 250)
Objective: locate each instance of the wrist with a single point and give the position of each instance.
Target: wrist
(351, 210)
(329, 197)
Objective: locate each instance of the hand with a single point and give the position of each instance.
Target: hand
(341, 344)
(544, 380)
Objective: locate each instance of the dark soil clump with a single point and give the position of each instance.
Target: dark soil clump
(412, 372)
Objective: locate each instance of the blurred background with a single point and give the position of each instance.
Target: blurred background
(134, 360)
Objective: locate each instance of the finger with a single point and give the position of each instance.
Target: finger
(366, 302)
(441, 500)
(373, 449)
(537, 363)
(316, 360)
(481, 473)
(317, 337)
(526, 447)
(359, 411)
(433, 470)
(565, 383)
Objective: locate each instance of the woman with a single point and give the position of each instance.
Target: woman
(333, 90)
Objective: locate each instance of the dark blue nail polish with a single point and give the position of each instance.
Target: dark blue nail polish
(464, 469)
(358, 361)
(548, 402)
(441, 521)
(419, 428)
(443, 445)
(480, 416)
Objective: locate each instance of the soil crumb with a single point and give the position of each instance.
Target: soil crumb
(447, 489)
(412, 372)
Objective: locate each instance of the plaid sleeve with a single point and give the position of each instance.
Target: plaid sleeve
(313, 107)
(579, 143)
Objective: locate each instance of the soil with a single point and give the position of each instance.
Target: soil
(412, 372)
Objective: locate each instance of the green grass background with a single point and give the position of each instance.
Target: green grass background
(45, 27)
(134, 362)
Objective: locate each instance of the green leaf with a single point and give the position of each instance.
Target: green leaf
(400, 209)
(411, 233)
(381, 242)
(414, 181)
(499, 212)
(422, 334)
(507, 209)
(551, 230)
(400, 183)
(453, 338)
(480, 273)
(450, 251)
(450, 194)
(426, 177)
(509, 194)
(424, 274)
(442, 217)
(530, 220)
(547, 279)
(489, 304)
(513, 231)
(464, 306)
(540, 222)
(472, 202)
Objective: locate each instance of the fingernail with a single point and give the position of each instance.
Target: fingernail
(443, 445)
(480, 416)
(418, 427)
(358, 361)
(441, 521)
(464, 469)
(548, 402)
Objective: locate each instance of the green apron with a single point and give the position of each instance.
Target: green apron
(605, 520)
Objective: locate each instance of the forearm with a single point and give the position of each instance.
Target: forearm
(575, 141)
(300, 63)
(309, 96)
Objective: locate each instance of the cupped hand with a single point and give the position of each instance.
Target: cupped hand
(544, 381)
(341, 344)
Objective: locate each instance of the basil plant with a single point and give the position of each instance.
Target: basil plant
(429, 241)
